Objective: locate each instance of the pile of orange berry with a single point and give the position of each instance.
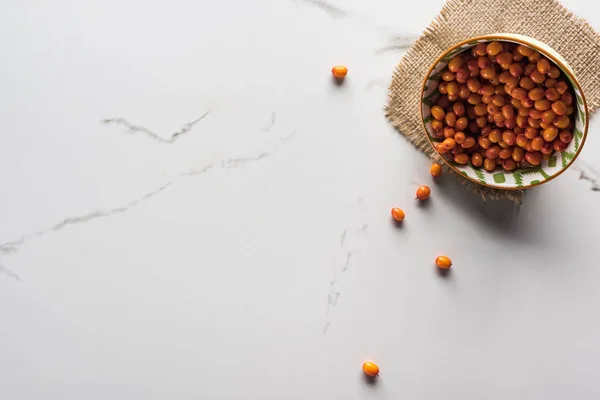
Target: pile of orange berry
(502, 105)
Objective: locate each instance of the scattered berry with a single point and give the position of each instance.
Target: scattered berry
(435, 170)
(398, 214)
(371, 369)
(423, 192)
(339, 71)
(443, 262)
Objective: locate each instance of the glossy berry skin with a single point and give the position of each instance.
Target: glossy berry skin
(443, 262)
(423, 192)
(398, 214)
(339, 71)
(371, 369)
(435, 170)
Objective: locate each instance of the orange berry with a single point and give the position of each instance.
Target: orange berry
(443, 262)
(370, 368)
(339, 71)
(423, 192)
(435, 170)
(398, 214)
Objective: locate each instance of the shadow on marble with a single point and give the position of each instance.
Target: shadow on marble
(370, 380)
(444, 273)
(424, 204)
(499, 216)
(397, 224)
(338, 81)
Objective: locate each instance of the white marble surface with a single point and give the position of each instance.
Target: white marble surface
(252, 255)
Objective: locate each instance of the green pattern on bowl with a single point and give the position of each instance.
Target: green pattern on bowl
(524, 177)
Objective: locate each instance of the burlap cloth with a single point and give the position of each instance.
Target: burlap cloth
(545, 20)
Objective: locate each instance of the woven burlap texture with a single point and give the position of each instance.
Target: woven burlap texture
(545, 20)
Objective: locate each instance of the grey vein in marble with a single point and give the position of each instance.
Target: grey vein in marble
(332, 299)
(587, 173)
(349, 252)
(15, 245)
(333, 11)
(235, 162)
(271, 122)
(9, 273)
(145, 131)
(334, 294)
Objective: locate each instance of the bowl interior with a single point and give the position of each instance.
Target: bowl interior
(523, 177)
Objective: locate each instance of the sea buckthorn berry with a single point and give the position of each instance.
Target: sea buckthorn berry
(542, 105)
(371, 369)
(339, 71)
(562, 87)
(534, 57)
(536, 94)
(552, 94)
(458, 108)
(493, 48)
(493, 152)
(489, 164)
(527, 103)
(476, 159)
(449, 143)
(548, 116)
(509, 164)
(480, 49)
(516, 70)
(567, 98)
(468, 143)
(524, 50)
(448, 76)
(543, 66)
(455, 64)
(509, 137)
(506, 153)
(443, 262)
(452, 88)
(435, 170)
(398, 214)
(462, 74)
(547, 149)
(461, 123)
(565, 137)
(423, 192)
(461, 158)
(487, 90)
(495, 135)
(558, 145)
(533, 157)
(518, 154)
(561, 121)
(554, 72)
(550, 134)
(559, 107)
(438, 113)
(537, 143)
(488, 73)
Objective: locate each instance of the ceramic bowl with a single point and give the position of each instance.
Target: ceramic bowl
(521, 178)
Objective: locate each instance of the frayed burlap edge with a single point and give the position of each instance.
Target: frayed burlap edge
(545, 20)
